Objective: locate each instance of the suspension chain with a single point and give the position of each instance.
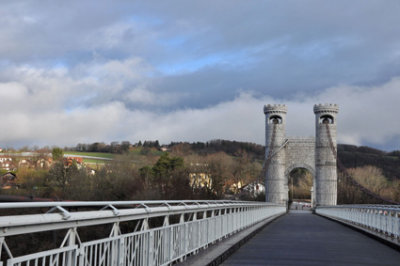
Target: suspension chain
(270, 155)
(349, 177)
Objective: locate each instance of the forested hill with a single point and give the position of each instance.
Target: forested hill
(234, 148)
(350, 156)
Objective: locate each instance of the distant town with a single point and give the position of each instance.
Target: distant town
(218, 169)
(53, 173)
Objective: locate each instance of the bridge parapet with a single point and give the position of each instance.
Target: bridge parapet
(184, 227)
(382, 221)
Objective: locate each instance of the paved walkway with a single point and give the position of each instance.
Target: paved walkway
(301, 238)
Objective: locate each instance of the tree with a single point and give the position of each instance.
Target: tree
(125, 145)
(58, 154)
(58, 178)
(220, 172)
(163, 170)
(31, 180)
(168, 176)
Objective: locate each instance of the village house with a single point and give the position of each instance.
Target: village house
(8, 180)
(68, 161)
(254, 188)
(44, 163)
(199, 178)
(7, 163)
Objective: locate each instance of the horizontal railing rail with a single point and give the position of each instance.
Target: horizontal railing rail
(380, 220)
(196, 224)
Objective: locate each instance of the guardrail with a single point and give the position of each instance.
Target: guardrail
(380, 220)
(184, 228)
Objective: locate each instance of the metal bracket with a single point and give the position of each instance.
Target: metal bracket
(148, 210)
(113, 209)
(70, 237)
(166, 204)
(64, 213)
(184, 205)
(3, 244)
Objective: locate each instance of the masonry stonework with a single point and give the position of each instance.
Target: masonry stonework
(314, 154)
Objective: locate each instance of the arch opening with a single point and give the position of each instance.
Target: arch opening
(300, 185)
(326, 119)
(275, 119)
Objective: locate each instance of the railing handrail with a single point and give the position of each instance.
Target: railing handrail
(381, 221)
(59, 218)
(14, 205)
(195, 225)
(365, 206)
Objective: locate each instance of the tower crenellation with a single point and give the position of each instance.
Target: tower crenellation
(275, 108)
(326, 108)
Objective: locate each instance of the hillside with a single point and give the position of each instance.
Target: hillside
(134, 173)
(351, 156)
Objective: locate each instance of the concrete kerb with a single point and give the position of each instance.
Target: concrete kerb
(217, 253)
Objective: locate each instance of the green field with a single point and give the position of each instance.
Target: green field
(94, 154)
(93, 162)
(139, 151)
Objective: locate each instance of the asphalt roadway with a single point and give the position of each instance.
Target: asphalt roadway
(302, 238)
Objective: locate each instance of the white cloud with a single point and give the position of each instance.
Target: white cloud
(366, 115)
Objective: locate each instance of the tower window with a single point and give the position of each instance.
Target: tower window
(275, 119)
(326, 119)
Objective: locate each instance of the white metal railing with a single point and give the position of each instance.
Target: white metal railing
(380, 220)
(197, 224)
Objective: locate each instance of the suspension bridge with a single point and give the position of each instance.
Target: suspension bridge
(211, 232)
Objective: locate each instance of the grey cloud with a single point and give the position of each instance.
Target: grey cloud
(61, 60)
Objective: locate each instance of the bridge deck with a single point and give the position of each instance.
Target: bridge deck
(301, 238)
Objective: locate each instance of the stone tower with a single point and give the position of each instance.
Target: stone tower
(275, 121)
(325, 161)
(314, 154)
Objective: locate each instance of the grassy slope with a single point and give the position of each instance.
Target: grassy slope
(94, 154)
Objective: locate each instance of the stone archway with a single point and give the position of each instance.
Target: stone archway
(309, 168)
(315, 154)
(299, 165)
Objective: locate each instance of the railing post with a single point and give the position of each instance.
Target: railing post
(171, 243)
(182, 234)
(150, 258)
(117, 256)
(196, 233)
(71, 256)
(207, 229)
(81, 256)
(167, 243)
(145, 249)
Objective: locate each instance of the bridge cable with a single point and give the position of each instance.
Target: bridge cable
(354, 182)
(269, 156)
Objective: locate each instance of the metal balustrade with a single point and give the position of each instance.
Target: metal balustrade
(198, 224)
(380, 220)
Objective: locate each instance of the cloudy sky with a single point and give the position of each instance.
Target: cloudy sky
(84, 71)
